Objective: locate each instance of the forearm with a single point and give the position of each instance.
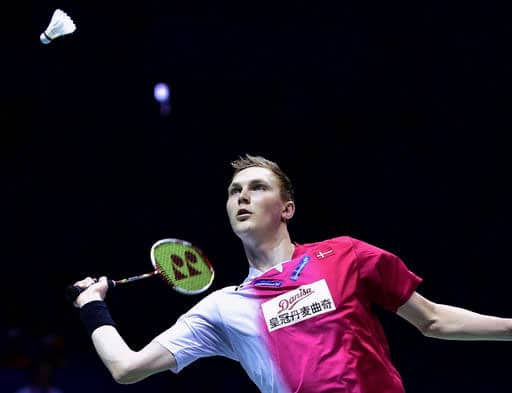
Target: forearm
(454, 323)
(110, 346)
(125, 365)
(115, 354)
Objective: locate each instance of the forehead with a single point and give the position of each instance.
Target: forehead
(248, 175)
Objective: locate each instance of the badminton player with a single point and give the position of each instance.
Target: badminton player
(300, 305)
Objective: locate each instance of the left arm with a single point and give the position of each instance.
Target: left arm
(453, 323)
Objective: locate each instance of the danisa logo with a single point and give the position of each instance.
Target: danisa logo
(292, 301)
(298, 305)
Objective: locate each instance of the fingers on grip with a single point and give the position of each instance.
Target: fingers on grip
(72, 291)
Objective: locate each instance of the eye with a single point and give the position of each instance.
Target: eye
(260, 187)
(234, 191)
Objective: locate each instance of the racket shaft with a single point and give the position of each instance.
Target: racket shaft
(73, 291)
(135, 278)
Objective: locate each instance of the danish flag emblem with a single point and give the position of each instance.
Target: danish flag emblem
(321, 254)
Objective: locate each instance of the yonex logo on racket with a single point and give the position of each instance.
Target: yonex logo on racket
(177, 261)
(182, 265)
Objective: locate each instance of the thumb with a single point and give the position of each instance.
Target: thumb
(103, 281)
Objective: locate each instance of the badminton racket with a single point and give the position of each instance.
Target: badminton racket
(182, 265)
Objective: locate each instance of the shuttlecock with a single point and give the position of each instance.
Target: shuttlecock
(60, 24)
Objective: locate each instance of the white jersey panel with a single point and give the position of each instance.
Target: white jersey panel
(225, 323)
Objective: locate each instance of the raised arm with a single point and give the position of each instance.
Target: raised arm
(125, 365)
(453, 323)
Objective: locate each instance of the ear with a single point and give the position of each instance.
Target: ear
(288, 211)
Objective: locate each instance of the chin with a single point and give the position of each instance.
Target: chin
(243, 229)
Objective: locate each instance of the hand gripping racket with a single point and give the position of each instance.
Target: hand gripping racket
(182, 265)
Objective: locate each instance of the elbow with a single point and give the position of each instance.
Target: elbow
(436, 328)
(429, 329)
(124, 378)
(124, 374)
(430, 325)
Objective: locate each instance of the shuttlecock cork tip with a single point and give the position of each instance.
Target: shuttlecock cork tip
(60, 24)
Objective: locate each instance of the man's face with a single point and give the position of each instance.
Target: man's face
(254, 205)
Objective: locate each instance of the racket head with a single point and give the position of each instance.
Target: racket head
(182, 265)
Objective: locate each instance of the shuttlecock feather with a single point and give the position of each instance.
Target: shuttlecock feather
(60, 24)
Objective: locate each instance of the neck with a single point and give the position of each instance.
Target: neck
(268, 253)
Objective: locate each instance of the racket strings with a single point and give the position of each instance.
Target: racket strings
(184, 267)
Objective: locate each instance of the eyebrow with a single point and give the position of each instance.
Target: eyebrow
(251, 183)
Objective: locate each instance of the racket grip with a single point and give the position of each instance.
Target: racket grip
(72, 291)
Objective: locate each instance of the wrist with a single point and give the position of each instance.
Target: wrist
(95, 314)
(83, 300)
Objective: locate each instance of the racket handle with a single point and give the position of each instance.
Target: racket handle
(73, 291)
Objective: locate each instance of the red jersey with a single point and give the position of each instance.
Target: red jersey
(336, 344)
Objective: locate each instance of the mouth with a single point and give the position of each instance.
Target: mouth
(243, 213)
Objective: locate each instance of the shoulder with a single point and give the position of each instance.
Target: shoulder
(210, 306)
(335, 242)
(211, 299)
(215, 298)
(343, 245)
(219, 294)
(338, 239)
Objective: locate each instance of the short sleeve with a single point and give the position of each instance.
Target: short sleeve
(384, 278)
(196, 334)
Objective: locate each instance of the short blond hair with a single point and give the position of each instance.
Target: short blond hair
(249, 161)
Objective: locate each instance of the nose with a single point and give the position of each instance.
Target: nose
(243, 197)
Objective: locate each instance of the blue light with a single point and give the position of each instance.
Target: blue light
(162, 92)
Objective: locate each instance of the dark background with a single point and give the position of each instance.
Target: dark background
(392, 120)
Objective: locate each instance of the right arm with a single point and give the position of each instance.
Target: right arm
(125, 365)
(128, 366)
